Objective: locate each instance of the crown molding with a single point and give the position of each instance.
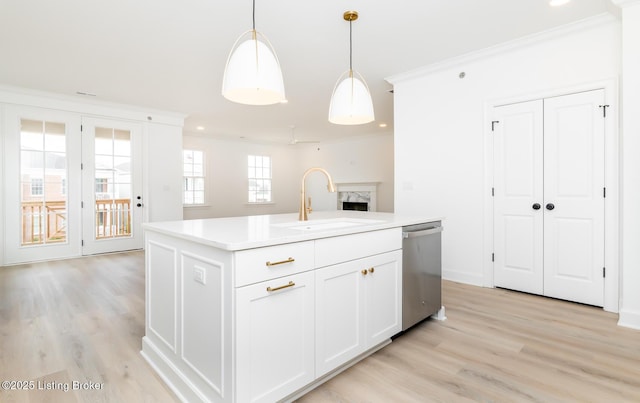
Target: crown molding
(582, 25)
(625, 3)
(87, 106)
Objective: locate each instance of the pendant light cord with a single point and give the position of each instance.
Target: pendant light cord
(350, 46)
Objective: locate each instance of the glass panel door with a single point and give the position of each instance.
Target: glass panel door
(112, 200)
(43, 174)
(112, 183)
(42, 202)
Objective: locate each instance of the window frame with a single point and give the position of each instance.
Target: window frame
(267, 181)
(189, 179)
(36, 183)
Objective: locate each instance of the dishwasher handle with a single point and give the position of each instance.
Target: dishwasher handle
(428, 231)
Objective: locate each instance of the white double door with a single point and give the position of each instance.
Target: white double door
(70, 184)
(549, 197)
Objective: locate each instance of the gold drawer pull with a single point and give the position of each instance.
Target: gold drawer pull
(371, 270)
(290, 260)
(364, 272)
(291, 284)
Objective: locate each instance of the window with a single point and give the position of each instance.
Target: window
(193, 190)
(102, 185)
(37, 188)
(259, 179)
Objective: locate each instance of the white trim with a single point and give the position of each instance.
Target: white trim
(173, 377)
(219, 389)
(612, 182)
(22, 96)
(554, 33)
(462, 277)
(173, 347)
(629, 319)
(625, 3)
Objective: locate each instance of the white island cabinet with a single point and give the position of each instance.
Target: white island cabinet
(358, 299)
(263, 308)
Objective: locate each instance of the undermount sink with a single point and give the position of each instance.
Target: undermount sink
(334, 223)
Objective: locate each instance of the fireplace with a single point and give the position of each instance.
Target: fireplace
(355, 206)
(357, 196)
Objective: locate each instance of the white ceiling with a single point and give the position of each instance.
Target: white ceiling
(170, 54)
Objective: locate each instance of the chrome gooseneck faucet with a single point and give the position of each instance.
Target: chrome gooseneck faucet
(303, 213)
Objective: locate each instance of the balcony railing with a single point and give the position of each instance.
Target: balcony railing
(113, 218)
(46, 222)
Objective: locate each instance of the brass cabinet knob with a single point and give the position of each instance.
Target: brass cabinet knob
(364, 272)
(371, 270)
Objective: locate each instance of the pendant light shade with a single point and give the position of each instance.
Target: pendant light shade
(252, 75)
(351, 102)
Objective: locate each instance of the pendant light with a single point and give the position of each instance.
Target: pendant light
(252, 75)
(351, 100)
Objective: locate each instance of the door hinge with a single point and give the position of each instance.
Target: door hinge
(604, 192)
(493, 192)
(493, 124)
(81, 166)
(493, 257)
(82, 243)
(604, 272)
(81, 204)
(80, 128)
(604, 110)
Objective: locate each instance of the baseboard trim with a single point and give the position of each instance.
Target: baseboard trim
(629, 319)
(183, 389)
(464, 278)
(337, 371)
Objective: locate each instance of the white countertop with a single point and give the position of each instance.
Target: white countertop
(238, 233)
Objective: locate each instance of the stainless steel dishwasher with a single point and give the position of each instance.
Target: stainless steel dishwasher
(421, 272)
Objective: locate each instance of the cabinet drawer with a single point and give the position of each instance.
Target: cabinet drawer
(339, 249)
(260, 264)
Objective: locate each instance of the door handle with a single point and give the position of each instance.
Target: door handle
(428, 231)
(550, 206)
(536, 206)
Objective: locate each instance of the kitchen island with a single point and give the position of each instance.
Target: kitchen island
(264, 308)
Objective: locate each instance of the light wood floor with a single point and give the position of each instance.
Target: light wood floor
(83, 320)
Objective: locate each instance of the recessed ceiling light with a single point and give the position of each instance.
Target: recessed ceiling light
(556, 3)
(382, 125)
(201, 128)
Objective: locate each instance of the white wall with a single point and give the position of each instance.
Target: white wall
(363, 159)
(440, 125)
(226, 177)
(630, 301)
(352, 160)
(163, 173)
